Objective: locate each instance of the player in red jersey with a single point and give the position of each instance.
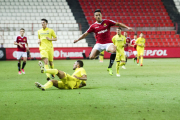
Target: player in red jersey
(101, 28)
(133, 44)
(128, 40)
(21, 41)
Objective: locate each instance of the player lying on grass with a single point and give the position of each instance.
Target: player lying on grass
(77, 80)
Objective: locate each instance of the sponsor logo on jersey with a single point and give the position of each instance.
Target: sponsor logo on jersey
(96, 27)
(102, 31)
(19, 39)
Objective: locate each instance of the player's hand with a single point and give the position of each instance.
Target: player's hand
(129, 28)
(48, 38)
(27, 48)
(39, 42)
(20, 46)
(75, 41)
(76, 77)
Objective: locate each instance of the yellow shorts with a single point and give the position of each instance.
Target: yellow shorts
(47, 54)
(140, 51)
(120, 57)
(68, 82)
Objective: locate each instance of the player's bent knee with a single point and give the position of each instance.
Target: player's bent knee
(92, 57)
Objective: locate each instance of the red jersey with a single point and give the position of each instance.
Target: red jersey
(102, 31)
(133, 43)
(128, 40)
(22, 41)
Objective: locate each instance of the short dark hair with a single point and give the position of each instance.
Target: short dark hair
(44, 20)
(80, 63)
(119, 28)
(22, 29)
(135, 34)
(142, 33)
(97, 10)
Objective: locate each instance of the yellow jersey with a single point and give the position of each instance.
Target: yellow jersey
(79, 72)
(42, 34)
(119, 41)
(140, 41)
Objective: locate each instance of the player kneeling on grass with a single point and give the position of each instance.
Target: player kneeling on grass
(120, 42)
(77, 80)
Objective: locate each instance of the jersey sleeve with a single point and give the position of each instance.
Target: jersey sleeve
(83, 72)
(38, 35)
(53, 34)
(15, 40)
(137, 41)
(111, 22)
(124, 40)
(91, 29)
(113, 40)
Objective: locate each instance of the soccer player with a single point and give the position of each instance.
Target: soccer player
(128, 40)
(21, 42)
(140, 48)
(133, 44)
(77, 80)
(46, 36)
(101, 28)
(120, 42)
(101, 56)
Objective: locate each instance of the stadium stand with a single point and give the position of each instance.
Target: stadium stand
(16, 14)
(149, 17)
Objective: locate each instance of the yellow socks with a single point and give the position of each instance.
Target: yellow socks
(51, 71)
(49, 84)
(101, 56)
(141, 60)
(117, 67)
(47, 67)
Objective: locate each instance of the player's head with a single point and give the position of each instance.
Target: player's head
(125, 34)
(22, 31)
(135, 36)
(78, 64)
(118, 31)
(141, 34)
(98, 15)
(44, 23)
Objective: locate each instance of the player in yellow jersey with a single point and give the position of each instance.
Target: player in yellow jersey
(46, 36)
(120, 42)
(101, 56)
(140, 42)
(77, 80)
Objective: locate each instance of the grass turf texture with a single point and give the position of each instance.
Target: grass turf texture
(141, 93)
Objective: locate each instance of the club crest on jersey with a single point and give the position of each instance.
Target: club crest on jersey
(105, 25)
(24, 39)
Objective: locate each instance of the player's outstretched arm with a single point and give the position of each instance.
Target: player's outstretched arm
(81, 37)
(123, 25)
(84, 77)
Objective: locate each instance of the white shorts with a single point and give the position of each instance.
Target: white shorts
(21, 54)
(126, 53)
(102, 47)
(135, 53)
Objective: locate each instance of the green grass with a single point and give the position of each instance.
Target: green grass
(151, 92)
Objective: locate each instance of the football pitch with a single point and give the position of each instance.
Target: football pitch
(151, 92)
